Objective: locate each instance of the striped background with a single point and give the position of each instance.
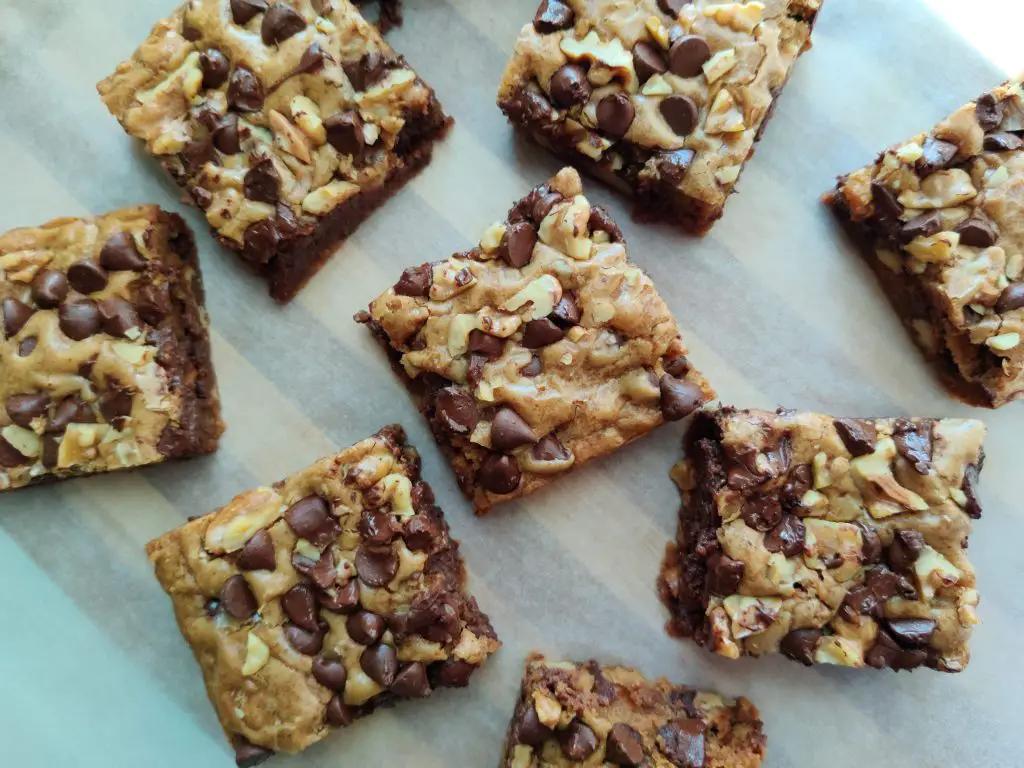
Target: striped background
(776, 309)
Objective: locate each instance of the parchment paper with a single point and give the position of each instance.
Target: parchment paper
(776, 307)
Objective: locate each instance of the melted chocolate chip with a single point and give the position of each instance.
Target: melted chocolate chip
(615, 114)
(724, 574)
(376, 566)
(566, 312)
(528, 729)
(258, 553)
(22, 409)
(345, 132)
(16, 313)
(762, 513)
(117, 316)
(415, 281)
(225, 134)
(648, 61)
(787, 537)
(380, 663)
(924, 225)
(339, 714)
(280, 23)
(911, 633)
(970, 490)
(988, 112)
(243, 11)
(687, 55)
(914, 443)
(624, 746)
(455, 410)
(245, 92)
(553, 15)
(237, 599)
(344, 600)
(679, 398)
(500, 474)
(800, 645)
(1011, 298)
(121, 253)
(215, 67)
(412, 682)
(681, 114)
(310, 518)
(517, 244)
(86, 276)
(49, 288)
(262, 182)
(569, 86)
(578, 741)
(859, 436)
(541, 333)
(330, 673)
(365, 628)
(977, 232)
(887, 206)
(937, 154)
(305, 642)
(509, 430)
(299, 605)
(79, 319)
(481, 343)
(682, 741)
(1002, 141)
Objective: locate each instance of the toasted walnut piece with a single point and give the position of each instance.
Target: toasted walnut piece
(288, 138)
(843, 651)
(935, 249)
(1004, 342)
(910, 152)
(370, 470)
(719, 64)
(450, 278)
(751, 615)
(79, 444)
(942, 189)
(491, 239)
(24, 441)
(324, 200)
(565, 228)
(549, 711)
(742, 17)
(933, 572)
(397, 489)
(260, 507)
(610, 54)
(257, 654)
(876, 469)
(522, 756)
(725, 115)
(722, 642)
(306, 115)
(541, 295)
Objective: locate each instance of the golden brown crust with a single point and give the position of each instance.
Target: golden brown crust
(836, 541)
(590, 714)
(939, 217)
(383, 562)
(104, 349)
(574, 346)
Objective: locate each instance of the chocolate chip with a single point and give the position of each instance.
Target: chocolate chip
(16, 314)
(27, 346)
(11, 457)
(672, 166)
(311, 519)
(248, 755)
(762, 513)
(648, 61)
(86, 276)
(787, 537)
(601, 221)
(553, 15)
(550, 449)
(243, 11)
(672, 7)
(681, 113)
(925, 225)
(339, 714)
(322, 572)
(543, 204)
(800, 645)
(509, 430)
(884, 584)
(364, 627)
(376, 566)
(258, 553)
(375, 527)
(260, 241)
(886, 652)
(682, 741)
(911, 633)
(51, 451)
(344, 600)
(215, 67)
(566, 312)
(517, 244)
(970, 489)
(578, 741)
(540, 333)
(190, 33)
(528, 729)
(481, 343)
(724, 574)
(624, 746)
(988, 112)
(679, 398)
(1010, 299)
(117, 316)
(79, 319)
(687, 55)
(262, 181)
(370, 68)
(330, 673)
(245, 92)
(887, 206)
(455, 410)
(299, 605)
(937, 154)
(225, 134)
(914, 443)
(121, 253)
(22, 409)
(237, 599)
(1002, 142)
(569, 86)
(615, 114)
(49, 288)
(70, 410)
(871, 544)
(280, 23)
(500, 474)
(415, 281)
(904, 550)
(305, 642)
(420, 532)
(977, 233)
(313, 60)
(115, 406)
(412, 682)
(380, 663)
(345, 132)
(859, 601)
(859, 436)
(532, 368)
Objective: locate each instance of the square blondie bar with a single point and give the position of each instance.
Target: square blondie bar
(287, 122)
(938, 218)
(593, 714)
(539, 350)
(832, 541)
(314, 601)
(664, 99)
(104, 353)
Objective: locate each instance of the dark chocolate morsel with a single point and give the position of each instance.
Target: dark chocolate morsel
(237, 598)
